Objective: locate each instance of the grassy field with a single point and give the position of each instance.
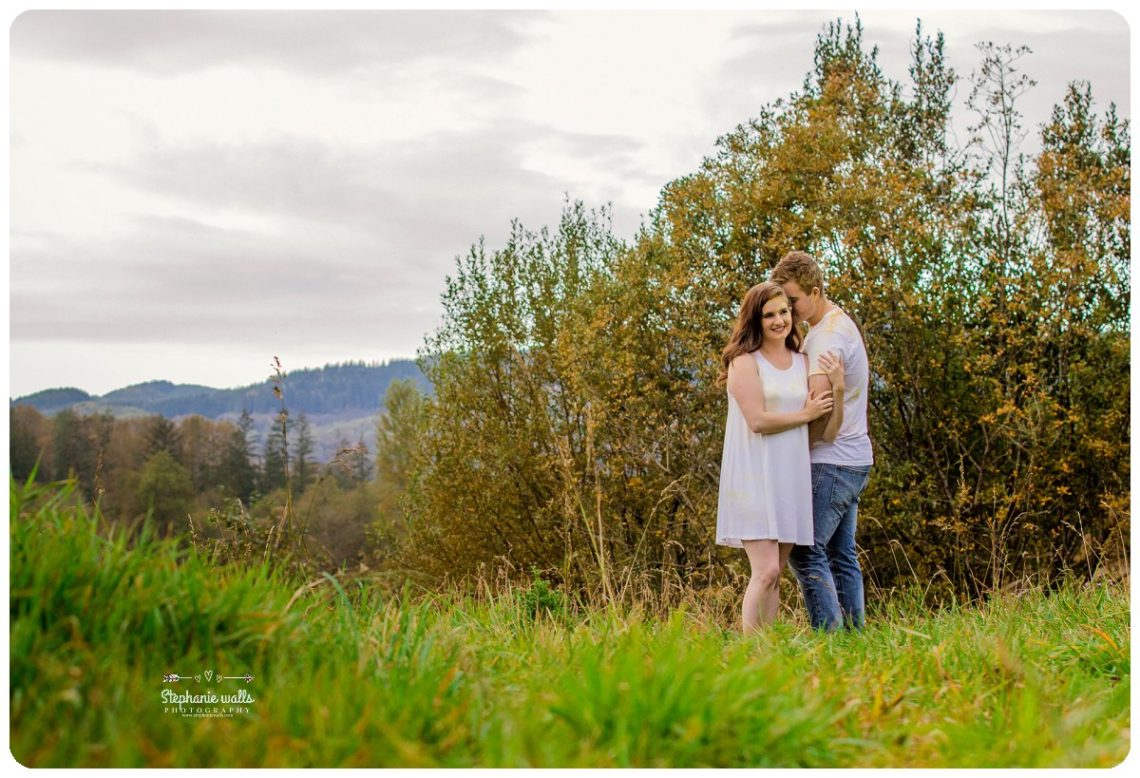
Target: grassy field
(344, 675)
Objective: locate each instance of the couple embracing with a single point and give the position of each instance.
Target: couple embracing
(796, 450)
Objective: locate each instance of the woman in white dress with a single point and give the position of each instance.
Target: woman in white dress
(765, 503)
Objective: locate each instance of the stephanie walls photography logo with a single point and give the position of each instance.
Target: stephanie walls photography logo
(223, 696)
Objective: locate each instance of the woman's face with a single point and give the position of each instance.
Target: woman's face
(776, 319)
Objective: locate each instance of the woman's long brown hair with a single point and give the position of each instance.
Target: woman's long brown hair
(748, 332)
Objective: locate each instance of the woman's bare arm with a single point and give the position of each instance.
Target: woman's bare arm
(747, 388)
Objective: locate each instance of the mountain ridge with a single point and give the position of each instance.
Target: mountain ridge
(347, 389)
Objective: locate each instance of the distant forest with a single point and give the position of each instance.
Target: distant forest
(161, 452)
(334, 389)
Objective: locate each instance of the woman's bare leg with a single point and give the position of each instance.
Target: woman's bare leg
(772, 602)
(762, 597)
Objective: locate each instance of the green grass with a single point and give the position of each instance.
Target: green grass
(348, 676)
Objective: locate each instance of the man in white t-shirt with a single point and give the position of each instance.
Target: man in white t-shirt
(828, 572)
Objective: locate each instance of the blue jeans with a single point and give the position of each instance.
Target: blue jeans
(828, 572)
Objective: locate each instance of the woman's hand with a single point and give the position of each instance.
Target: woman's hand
(832, 365)
(818, 406)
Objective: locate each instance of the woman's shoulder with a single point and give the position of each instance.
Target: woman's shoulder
(745, 363)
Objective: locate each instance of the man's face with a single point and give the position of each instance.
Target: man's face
(804, 304)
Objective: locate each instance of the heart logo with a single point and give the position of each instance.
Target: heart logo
(209, 675)
(198, 678)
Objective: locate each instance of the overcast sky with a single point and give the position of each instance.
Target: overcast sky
(193, 193)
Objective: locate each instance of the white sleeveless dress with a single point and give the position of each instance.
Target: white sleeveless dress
(765, 480)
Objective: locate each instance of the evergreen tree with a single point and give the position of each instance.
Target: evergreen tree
(162, 435)
(275, 461)
(74, 453)
(303, 465)
(238, 471)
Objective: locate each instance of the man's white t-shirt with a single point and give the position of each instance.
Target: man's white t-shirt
(837, 332)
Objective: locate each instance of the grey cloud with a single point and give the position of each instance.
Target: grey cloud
(588, 144)
(179, 321)
(788, 24)
(182, 282)
(310, 42)
(165, 256)
(357, 236)
(482, 89)
(767, 61)
(436, 192)
(615, 153)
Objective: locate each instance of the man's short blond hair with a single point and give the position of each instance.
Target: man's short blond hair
(801, 267)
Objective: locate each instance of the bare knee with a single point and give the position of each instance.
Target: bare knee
(767, 576)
